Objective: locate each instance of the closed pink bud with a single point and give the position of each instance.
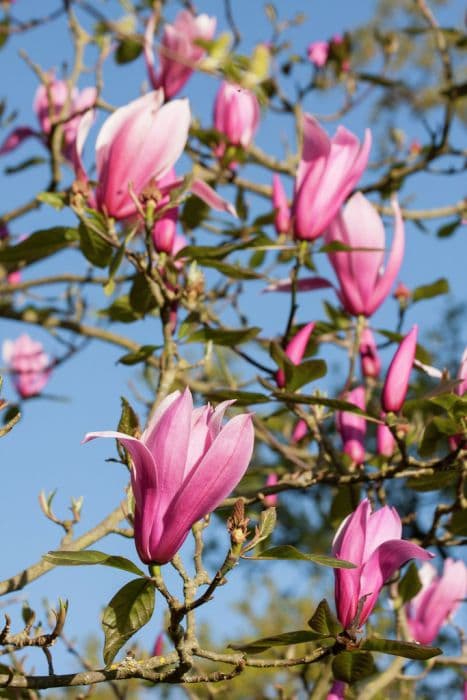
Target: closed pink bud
(461, 388)
(178, 53)
(164, 231)
(328, 171)
(437, 601)
(183, 465)
(271, 499)
(397, 378)
(373, 542)
(280, 203)
(295, 350)
(352, 427)
(300, 431)
(318, 52)
(158, 649)
(369, 358)
(29, 365)
(236, 115)
(337, 691)
(385, 442)
(15, 138)
(363, 286)
(138, 144)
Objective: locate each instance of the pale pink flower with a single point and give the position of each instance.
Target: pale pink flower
(178, 54)
(183, 465)
(352, 427)
(29, 365)
(363, 286)
(437, 601)
(372, 541)
(236, 115)
(318, 52)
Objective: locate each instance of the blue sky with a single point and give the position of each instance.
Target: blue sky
(44, 451)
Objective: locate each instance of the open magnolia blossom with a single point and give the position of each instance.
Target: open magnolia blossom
(136, 148)
(373, 541)
(183, 465)
(236, 115)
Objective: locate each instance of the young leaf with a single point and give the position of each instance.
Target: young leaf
(133, 358)
(286, 551)
(352, 666)
(94, 248)
(241, 398)
(224, 337)
(259, 645)
(90, 557)
(324, 622)
(297, 376)
(428, 291)
(409, 650)
(39, 245)
(128, 422)
(410, 584)
(129, 610)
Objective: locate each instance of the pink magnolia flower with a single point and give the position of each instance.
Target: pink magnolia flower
(295, 350)
(282, 218)
(372, 541)
(397, 377)
(385, 442)
(363, 286)
(299, 431)
(318, 52)
(236, 115)
(48, 104)
(178, 53)
(138, 146)
(164, 231)
(352, 427)
(158, 648)
(271, 500)
(328, 171)
(183, 465)
(29, 365)
(337, 691)
(437, 601)
(369, 358)
(461, 388)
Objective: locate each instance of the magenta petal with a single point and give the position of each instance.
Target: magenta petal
(397, 377)
(16, 138)
(306, 284)
(386, 280)
(205, 192)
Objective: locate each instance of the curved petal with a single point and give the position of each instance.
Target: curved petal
(397, 377)
(205, 192)
(148, 52)
(16, 138)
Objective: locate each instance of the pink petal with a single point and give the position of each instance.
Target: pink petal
(16, 138)
(202, 190)
(306, 284)
(397, 377)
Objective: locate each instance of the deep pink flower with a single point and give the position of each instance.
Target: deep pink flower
(437, 601)
(178, 53)
(385, 442)
(397, 377)
(372, 541)
(299, 431)
(295, 350)
(369, 358)
(184, 465)
(328, 171)
(337, 691)
(158, 648)
(461, 388)
(271, 499)
(363, 286)
(29, 365)
(352, 427)
(236, 115)
(318, 52)
(164, 231)
(282, 218)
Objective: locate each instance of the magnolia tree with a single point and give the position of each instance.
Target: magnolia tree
(225, 274)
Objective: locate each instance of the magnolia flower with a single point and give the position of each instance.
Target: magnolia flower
(369, 358)
(352, 427)
(183, 465)
(29, 365)
(328, 171)
(236, 115)
(271, 499)
(164, 231)
(397, 377)
(385, 442)
(372, 541)
(136, 150)
(437, 601)
(318, 52)
(282, 217)
(461, 388)
(179, 53)
(295, 350)
(337, 691)
(49, 102)
(362, 285)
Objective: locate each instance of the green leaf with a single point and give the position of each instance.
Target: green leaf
(235, 272)
(433, 482)
(410, 584)
(141, 297)
(265, 528)
(94, 248)
(336, 404)
(39, 245)
(90, 557)
(324, 622)
(458, 523)
(428, 291)
(128, 50)
(242, 398)
(129, 422)
(24, 165)
(227, 337)
(307, 371)
(448, 229)
(129, 610)
(57, 200)
(133, 358)
(352, 666)
(279, 640)
(194, 212)
(286, 551)
(409, 650)
(121, 310)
